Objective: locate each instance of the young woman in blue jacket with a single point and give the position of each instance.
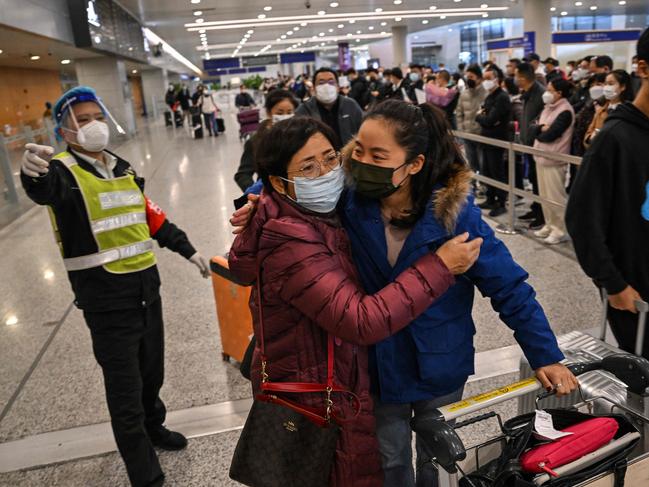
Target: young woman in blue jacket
(411, 192)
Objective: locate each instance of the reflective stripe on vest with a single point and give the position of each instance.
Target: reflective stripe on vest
(108, 256)
(119, 221)
(117, 214)
(117, 199)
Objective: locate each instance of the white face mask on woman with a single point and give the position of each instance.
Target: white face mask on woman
(610, 92)
(284, 116)
(548, 98)
(321, 194)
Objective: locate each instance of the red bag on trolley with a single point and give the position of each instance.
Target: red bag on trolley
(587, 437)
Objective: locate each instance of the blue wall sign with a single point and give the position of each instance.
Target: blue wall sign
(297, 57)
(214, 64)
(527, 43)
(595, 36)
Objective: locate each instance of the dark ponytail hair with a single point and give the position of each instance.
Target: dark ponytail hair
(422, 129)
(624, 79)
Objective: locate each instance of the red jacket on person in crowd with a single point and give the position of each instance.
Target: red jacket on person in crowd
(310, 287)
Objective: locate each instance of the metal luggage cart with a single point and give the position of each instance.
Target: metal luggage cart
(455, 459)
(601, 387)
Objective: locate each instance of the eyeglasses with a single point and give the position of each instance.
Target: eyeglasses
(313, 168)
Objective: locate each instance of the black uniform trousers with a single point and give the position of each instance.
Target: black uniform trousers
(129, 346)
(495, 167)
(624, 326)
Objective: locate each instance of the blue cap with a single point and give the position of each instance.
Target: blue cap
(71, 97)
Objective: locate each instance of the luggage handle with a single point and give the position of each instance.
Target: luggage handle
(643, 310)
(478, 419)
(482, 401)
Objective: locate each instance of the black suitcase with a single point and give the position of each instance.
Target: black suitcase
(220, 125)
(197, 126)
(178, 118)
(168, 122)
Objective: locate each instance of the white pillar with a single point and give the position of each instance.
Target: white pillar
(400, 54)
(537, 18)
(154, 87)
(107, 76)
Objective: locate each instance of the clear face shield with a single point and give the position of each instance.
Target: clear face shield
(93, 135)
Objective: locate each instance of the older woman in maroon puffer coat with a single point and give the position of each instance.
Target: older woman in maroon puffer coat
(310, 288)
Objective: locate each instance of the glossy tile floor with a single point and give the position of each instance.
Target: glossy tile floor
(50, 381)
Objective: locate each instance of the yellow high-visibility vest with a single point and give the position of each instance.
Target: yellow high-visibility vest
(116, 210)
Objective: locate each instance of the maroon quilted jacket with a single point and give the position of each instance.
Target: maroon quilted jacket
(310, 287)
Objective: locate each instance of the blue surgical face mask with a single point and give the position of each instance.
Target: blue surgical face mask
(321, 194)
(414, 77)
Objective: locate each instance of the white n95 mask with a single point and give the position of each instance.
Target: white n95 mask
(94, 136)
(326, 93)
(596, 92)
(548, 97)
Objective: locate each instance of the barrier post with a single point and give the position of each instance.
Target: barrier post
(11, 194)
(29, 134)
(510, 227)
(49, 131)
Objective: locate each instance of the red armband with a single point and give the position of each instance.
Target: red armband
(155, 217)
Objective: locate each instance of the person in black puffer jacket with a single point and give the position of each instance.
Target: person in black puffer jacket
(494, 119)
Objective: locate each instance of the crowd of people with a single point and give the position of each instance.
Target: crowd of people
(530, 100)
(364, 245)
(315, 245)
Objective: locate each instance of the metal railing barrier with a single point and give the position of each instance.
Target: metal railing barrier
(510, 227)
(27, 135)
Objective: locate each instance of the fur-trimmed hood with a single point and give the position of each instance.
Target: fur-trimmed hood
(448, 201)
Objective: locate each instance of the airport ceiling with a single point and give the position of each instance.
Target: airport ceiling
(25, 50)
(289, 25)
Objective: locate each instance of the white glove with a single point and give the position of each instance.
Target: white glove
(199, 261)
(36, 159)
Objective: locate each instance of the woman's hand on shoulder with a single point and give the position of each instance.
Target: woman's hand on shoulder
(241, 217)
(459, 254)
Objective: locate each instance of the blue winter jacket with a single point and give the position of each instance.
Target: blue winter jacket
(434, 355)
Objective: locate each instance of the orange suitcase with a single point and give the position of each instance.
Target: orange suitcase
(235, 320)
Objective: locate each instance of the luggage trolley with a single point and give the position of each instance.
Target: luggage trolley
(601, 387)
(611, 383)
(248, 122)
(455, 459)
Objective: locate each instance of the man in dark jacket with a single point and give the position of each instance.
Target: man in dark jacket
(416, 77)
(608, 211)
(532, 96)
(401, 87)
(374, 86)
(494, 120)
(184, 97)
(359, 87)
(243, 99)
(104, 225)
(341, 113)
(552, 70)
